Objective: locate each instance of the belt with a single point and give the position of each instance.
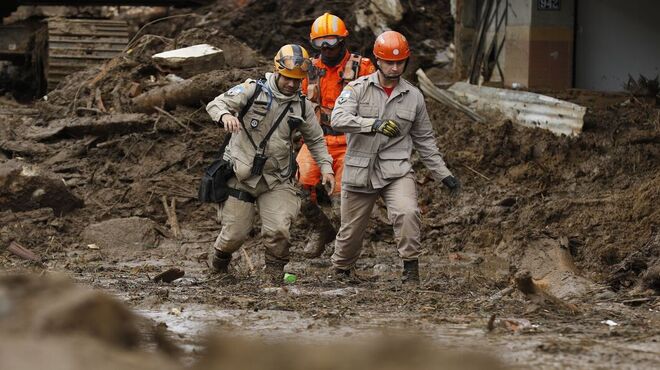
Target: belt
(327, 130)
(241, 195)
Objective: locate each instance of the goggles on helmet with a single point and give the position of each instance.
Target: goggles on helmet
(326, 42)
(292, 63)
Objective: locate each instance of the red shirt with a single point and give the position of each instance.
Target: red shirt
(388, 90)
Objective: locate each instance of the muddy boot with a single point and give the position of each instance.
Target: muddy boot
(344, 277)
(410, 272)
(220, 261)
(274, 272)
(323, 232)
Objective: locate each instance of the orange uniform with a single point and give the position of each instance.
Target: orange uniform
(323, 86)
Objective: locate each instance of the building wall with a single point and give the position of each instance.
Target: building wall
(615, 38)
(539, 46)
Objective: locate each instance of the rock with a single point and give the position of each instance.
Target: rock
(651, 278)
(25, 187)
(54, 305)
(132, 232)
(191, 61)
(379, 15)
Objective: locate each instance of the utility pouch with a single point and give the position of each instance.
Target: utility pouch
(258, 164)
(213, 187)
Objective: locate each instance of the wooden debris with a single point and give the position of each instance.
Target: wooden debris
(248, 260)
(169, 275)
(172, 220)
(429, 88)
(98, 126)
(24, 253)
(203, 87)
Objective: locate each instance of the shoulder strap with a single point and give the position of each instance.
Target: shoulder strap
(262, 145)
(303, 107)
(352, 68)
(248, 105)
(242, 113)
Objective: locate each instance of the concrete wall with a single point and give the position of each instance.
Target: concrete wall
(615, 38)
(539, 46)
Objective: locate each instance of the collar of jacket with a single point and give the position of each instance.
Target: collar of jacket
(401, 87)
(281, 98)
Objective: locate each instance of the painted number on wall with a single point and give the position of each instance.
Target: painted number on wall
(549, 4)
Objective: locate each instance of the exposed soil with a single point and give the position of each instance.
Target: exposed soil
(579, 214)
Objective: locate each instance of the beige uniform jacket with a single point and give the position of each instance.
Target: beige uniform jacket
(258, 120)
(374, 160)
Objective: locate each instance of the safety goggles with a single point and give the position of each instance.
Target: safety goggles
(292, 63)
(326, 42)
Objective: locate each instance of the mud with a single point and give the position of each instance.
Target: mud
(579, 215)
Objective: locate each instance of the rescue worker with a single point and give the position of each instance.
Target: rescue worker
(331, 70)
(384, 118)
(265, 167)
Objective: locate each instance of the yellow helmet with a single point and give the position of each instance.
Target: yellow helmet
(292, 61)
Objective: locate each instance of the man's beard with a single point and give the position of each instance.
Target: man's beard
(392, 77)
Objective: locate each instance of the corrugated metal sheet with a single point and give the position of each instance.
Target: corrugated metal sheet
(77, 44)
(525, 108)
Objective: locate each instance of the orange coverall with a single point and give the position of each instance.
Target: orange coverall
(330, 86)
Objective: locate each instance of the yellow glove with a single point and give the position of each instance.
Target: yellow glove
(386, 127)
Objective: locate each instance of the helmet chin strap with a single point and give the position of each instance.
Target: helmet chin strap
(405, 66)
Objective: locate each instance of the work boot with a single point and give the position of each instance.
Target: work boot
(410, 272)
(323, 232)
(274, 272)
(344, 277)
(220, 261)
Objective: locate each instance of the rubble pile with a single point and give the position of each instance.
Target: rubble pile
(99, 179)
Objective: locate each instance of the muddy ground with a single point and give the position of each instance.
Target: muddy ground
(580, 215)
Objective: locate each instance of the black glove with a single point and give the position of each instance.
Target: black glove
(452, 183)
(386, 127)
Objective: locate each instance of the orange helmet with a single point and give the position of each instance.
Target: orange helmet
(391, 46)
(292, 61)
(328, 25)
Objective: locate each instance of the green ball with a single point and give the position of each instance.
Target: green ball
(290, 278)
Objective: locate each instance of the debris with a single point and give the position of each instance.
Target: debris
(477, 172)
(132, 232)
(25, 187)
(248, 260)
(190, 61)
(292, 290)
(169, 275)
(537, 294)
(643, 86)
(103, 125)
(442, 96)
(501, 294)
(525, 108)
(24, 253)
(340, 292)
(93, 246)
(610, 323)
(290, 278)
(172, 220)
(514, 325)
(379, 15)
(651, 278)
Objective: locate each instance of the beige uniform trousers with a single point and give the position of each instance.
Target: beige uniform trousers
(277, 208)
(400, 198)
